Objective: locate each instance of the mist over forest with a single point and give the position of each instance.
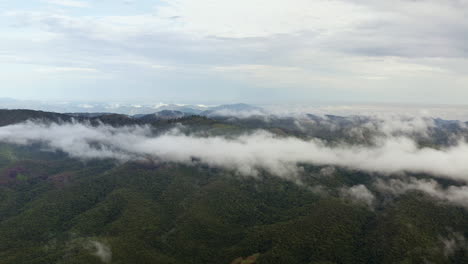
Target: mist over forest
(233, 131)
(235, 184)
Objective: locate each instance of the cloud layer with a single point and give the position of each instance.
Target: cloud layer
(246, 153)
(297, 50)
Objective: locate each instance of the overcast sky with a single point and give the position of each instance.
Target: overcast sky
(254, 51)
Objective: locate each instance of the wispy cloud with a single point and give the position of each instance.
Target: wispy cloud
(101, 250)
(454, 194)
(68, 3)
(66, 70)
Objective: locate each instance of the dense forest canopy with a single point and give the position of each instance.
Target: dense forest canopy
(218, 189)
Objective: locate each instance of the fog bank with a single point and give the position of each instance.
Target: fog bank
(247, 154)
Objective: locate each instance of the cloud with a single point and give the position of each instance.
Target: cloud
(454, 194)
(411, 114)
(271, 75)
(66, 70)
(247, 154)
(100, 250)
(301, 50)
(455, 241)
(260, 18)
(359, 193)
(68, 3)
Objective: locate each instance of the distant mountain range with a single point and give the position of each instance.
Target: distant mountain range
(98, 108)
(241, 118)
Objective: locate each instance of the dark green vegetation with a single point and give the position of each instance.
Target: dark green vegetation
(53, 208)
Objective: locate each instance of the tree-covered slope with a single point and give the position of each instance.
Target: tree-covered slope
(53, 209)
(58, 209)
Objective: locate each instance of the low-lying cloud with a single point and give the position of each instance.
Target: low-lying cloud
(247, 154)
(100, 250)
(453, 194)
(359, 193)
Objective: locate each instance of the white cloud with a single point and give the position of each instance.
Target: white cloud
(342, 50)
(412, 115)
(86, 106)
(273, 76)
(359, 193)
(66, 70)
(246, 153)
(261, 18)
(100, 250)
(68, 3)
(454, 194)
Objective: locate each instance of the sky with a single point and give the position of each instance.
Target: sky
(220, 51)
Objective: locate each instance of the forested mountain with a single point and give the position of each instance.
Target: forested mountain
(57, 206)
